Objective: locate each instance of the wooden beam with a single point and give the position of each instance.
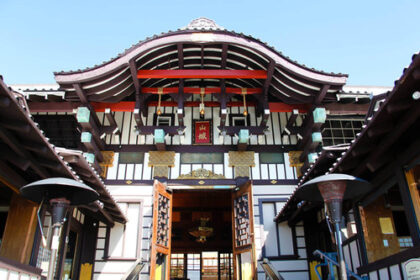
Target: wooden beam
(223, 100)
(197, 90)
(181, 100)
(34, 147)
(50, 164)
(93, 128)
(14, 144)
(10, 178)
(4, 102)
(224, 56)
(15, 125)
(20, 162)
(93, 148)
(291, 123)
(346, 109)
(398, 106)
(321, 95)
(380, 129)
(404, 123)
(267, 82)
(408, 206)
(80, 93)
(201, 74)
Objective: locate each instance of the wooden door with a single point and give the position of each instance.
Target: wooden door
(161, 236)
(244, 262)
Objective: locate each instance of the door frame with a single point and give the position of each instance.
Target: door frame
(245, 188)
(160, 189)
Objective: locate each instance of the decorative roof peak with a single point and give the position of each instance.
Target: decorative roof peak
(203, 23)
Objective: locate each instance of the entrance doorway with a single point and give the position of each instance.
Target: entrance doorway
(202, 234)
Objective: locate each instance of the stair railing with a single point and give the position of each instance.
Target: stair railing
(330, 262)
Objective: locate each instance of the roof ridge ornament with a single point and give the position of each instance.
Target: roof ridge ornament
(203, 23)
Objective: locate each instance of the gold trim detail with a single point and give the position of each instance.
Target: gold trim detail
(241, 159)
(201, 174)
(161, 158)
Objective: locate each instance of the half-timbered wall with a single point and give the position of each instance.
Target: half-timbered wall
(142, 171)
(125, 121)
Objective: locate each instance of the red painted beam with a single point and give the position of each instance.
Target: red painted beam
(202, 74)
(168, 90)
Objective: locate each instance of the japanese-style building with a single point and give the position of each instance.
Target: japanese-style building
(196, 141)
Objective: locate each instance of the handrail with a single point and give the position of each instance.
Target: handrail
(20, 269)
(134, 271)
(330, 260)
(269, 270)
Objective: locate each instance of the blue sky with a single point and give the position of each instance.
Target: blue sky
(372, 41)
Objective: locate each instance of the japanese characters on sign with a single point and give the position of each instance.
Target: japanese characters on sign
(202, 132)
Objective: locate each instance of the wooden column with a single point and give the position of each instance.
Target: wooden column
(408, 206)
(20, 230)
(414, 189)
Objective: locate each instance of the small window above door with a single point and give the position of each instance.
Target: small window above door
(239, 120)
(164, 120)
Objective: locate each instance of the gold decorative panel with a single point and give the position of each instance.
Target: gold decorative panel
(108, 158)
(241, 159)
(201, 174)
(295, 162)
(162, 158)
(294, 158)
(242, 171)
(160, 171)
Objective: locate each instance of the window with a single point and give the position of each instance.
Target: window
(134, 157)
(279, 237)
(239, 120)
(192, 158)
(341, 130)
(272, 158)
(177, 266)
(124, 240)
(164, 119)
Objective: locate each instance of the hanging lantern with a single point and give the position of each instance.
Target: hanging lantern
(202, 91)
(244, 99)
(159, 111)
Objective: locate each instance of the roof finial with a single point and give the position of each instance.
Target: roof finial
(203, 23)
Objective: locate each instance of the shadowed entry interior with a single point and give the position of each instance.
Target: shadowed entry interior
(201, 235)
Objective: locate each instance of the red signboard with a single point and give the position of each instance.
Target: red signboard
(202, 132)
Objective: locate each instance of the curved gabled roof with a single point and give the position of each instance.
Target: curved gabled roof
(201, 45)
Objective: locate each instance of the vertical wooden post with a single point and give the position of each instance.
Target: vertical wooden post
(360, 236)
(408, 206)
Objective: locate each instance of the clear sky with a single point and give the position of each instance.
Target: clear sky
(370, 40)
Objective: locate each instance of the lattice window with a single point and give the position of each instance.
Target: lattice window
(163, 221)
(242, 224)
(341, 130)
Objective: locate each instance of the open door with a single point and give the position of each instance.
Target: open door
(161, 236)
(244, 262)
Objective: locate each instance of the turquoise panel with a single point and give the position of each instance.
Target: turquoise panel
(83, 114)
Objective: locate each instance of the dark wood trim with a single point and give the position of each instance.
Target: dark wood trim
(202, 148)
(19, 266)
(391, 260)
(361, 238)
(408, 206)
(195, 182)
